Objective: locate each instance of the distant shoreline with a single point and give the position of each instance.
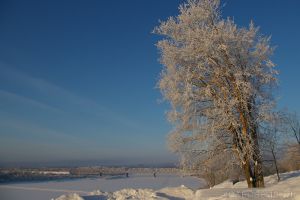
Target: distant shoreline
(34, 175)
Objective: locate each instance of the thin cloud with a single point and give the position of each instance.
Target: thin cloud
(22, 126)
(28, 101)
(66, 100)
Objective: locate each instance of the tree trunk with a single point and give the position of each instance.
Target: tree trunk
(254, 175)
(248, 174)
(258, 178)
(275, 162)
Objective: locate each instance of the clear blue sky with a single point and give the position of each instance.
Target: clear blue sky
(77, 79)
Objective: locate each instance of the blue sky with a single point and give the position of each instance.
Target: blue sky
(77, 79)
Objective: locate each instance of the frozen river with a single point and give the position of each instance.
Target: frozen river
(53, 189)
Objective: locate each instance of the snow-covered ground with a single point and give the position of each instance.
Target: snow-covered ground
(287, 188)
(146, 187)
(83, 187)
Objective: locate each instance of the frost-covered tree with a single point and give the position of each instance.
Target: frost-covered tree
(293, 126)
(218, 78)
(291, 159)
(271, 140)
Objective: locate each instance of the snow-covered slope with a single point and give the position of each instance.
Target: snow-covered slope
(287, 188)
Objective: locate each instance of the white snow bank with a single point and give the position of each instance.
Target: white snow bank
(287, 188)
(70, 197)
(134, 194)
(176, 192)
(125, 194)
(285, 178)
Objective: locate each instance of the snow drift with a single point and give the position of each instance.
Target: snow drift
(287, 188)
